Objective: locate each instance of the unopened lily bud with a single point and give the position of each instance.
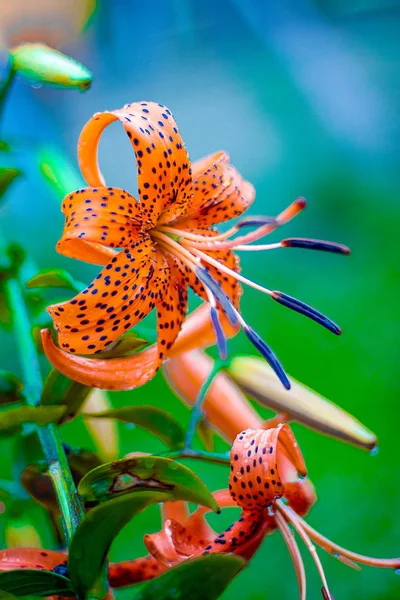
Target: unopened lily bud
(103, 431)
(44, 65)
(257, 379)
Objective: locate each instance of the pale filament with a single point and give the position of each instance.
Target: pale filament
(258, 247)
(204, 257)
(294, 552)
(342, 553)
(174, 247)
(310, 546)
(196, 237)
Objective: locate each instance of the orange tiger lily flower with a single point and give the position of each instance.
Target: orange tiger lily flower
(167, 243)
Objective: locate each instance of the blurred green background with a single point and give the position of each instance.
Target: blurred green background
(303, 96)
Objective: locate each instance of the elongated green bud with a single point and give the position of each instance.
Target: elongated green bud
(44, 65)
(256, 378)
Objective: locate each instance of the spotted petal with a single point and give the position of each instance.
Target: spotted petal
(171, 312)
(128, 372)
(164, 175)
(120, 296)
(219, 193)
(98, 220)
(256, 478)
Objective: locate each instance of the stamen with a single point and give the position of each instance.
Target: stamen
(341, 553)
(256, 222)
(284, 217)
(258, 247)
(306, 310)
(268, 354)
(195, 237)
(219, 333)
(224, 269)
(281, 297)
(297, 524)
(311, 244)
(294, 552)
(218, 293)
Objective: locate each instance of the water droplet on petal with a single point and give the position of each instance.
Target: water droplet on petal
(374, 451)
(271, 511)
(397, 571)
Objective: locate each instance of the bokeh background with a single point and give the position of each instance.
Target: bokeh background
(303, 96)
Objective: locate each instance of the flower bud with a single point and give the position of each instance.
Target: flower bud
(256, 378)
(44, 65)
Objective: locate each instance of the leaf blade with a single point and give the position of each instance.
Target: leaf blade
(22, 582)
(195, 579)
(40, 415)
(142, 473)
(154, 419)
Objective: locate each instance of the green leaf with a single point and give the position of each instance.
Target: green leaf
(58, 389)
(144, 473)
(40, 415)
(128, 486)
(6, 596)
(195, 579)
(96, 532)
(157, 421)
(10, 388)
(38, 484)
(58, 278)
(7, 176)
(22, 582)
(43, 64)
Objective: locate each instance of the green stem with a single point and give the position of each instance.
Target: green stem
(6, 86)
(59, 471)
(197, 410)
(214, 457)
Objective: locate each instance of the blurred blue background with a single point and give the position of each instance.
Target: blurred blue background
(304, 96)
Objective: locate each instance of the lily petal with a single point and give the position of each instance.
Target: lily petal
(256, 478)
(129, 572)
(120, 296)
(30, 558)
(164, 175)
(98, 220)
(219, 192)
(171, 313)
(128, 372)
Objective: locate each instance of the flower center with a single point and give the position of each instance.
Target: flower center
(192, 249)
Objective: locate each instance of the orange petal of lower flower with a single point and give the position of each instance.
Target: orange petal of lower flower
(128, 372)
(30, 558)
(129, 572)
(225, 407)
(256, 477)
(161, 546)
(177, 510)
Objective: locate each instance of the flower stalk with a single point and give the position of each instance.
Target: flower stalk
(59, 471)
